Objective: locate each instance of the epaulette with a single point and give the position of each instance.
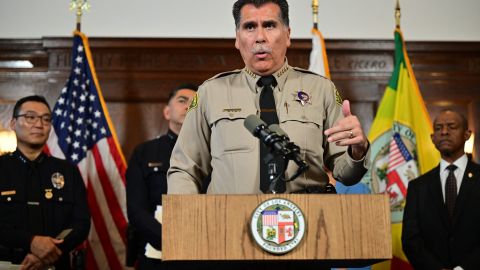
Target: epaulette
(307, 71)
(223, 74)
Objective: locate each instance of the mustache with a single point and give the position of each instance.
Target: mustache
(261, 48)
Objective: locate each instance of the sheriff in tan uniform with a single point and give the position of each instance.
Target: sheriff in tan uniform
(213, 139)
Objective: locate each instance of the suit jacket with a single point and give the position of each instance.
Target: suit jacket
(430, 240)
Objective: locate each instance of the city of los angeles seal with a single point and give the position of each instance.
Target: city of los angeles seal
(277, 225)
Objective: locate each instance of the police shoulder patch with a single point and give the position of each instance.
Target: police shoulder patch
(194, 103)
(338, 98)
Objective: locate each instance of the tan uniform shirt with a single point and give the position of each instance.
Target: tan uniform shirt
(213, 138)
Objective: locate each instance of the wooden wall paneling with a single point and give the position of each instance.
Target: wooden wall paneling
(136, 74)
(474, 113)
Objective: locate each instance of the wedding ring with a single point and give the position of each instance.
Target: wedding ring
(351, 134)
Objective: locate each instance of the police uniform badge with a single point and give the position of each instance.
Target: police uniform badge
(58, 181)
(277, 225)
(302, 97)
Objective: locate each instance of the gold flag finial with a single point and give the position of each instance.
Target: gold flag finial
(79, 6)
(397, 14)
(315, 13)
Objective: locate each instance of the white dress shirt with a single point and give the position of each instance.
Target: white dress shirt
(461, 164)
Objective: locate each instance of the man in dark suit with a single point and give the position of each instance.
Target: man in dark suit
(441, 222)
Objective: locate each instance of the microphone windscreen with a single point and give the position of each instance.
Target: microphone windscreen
(276, 128)
(252, 122)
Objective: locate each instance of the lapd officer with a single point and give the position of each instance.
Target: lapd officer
(147, 177)
(41, 196)
(308, 106)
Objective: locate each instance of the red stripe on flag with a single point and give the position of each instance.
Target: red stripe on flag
(399, 264)
(102, 230)
(270, 220)
(46, 150)
(394, 151)
(395, 156)
(394, 163)
(113, 205)
(90, 263)
(121, 167)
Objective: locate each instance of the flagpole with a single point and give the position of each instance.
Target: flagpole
(315, 13)
(397, 15)
(80, 6)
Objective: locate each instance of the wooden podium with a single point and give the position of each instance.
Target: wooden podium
(343, 230)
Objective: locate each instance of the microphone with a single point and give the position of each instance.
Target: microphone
(259, 129)
(277, 140)
(294, 149)
(277, 129)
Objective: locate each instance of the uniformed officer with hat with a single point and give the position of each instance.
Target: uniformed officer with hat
(43, 205)
(306, 106)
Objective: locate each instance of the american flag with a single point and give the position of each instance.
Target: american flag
(270, 218)
(84, 135)
(398, 153)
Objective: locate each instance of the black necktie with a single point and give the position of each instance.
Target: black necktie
(268, 114)
(451, 190)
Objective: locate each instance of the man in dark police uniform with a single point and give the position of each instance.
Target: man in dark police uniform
(147, 180)
(43, 206)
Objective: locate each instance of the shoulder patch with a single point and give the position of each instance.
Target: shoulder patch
(224, 74)
(194, 103)
(338, 98)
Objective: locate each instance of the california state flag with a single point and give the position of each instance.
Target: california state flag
(318, 55)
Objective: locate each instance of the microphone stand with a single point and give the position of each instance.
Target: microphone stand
(287, 153)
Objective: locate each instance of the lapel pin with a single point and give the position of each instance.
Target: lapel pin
(470, 175)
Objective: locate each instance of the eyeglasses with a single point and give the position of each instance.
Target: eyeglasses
(33, 118)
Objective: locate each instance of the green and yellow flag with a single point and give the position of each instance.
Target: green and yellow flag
(401, 148)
